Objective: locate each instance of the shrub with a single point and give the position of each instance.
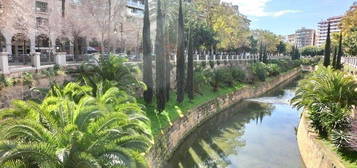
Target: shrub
(204, 64)
(211, 64)
(237, 73)
(260, 70)
(328, 96)
(273, 69)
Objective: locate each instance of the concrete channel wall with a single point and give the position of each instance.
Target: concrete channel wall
(172, 137)
(314, 153)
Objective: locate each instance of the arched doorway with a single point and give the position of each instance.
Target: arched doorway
(21, 48)
(63, 45)
(43, 46)
(2, 43)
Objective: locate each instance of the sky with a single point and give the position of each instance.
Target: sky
(283, 17)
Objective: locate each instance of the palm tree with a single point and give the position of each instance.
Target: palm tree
(114, 70)
(106, 130)
(328, 95)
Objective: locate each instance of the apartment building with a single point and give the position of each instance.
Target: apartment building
(335, 26)
(290, 39)
(304, 37)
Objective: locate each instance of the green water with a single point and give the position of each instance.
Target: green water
(256, 133)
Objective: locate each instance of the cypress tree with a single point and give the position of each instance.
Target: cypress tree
(180, 70)
(160, 61)
(265, 55)
(327, 47)
(147, 61)
(261, 52)
(190, 67)
(334, 58)
(340, 53)
(293, 53)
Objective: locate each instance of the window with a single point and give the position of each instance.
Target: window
(41, 6)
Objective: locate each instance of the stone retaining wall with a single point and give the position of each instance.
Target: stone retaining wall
(313, 152)
(167, 143)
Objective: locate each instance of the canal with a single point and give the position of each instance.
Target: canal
(256, 133)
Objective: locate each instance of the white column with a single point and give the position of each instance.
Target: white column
(35, 60)
(60, 58)
(4, 63)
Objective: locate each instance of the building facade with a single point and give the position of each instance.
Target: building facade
(290, 39)
(335, 26)
(44, 26)
(304, 37)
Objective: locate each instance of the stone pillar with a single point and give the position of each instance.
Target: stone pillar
(4, 63)
(8, 47)
(35, 60)
(60, 58)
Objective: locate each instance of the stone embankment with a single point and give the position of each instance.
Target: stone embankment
(314, 152)
(167, 143)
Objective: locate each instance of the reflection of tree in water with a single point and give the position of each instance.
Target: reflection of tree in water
(219, 137)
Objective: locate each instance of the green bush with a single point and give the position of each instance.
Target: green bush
(260, 70)
(273, 69)
(211, 64)
(238, 74)
(328, 96)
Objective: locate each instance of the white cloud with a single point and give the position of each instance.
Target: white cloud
(257, 8)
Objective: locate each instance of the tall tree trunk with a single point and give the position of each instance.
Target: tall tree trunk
(63, 7)
(167, 63)
(327, 48)
(160, 61)
(180, 75)
(147, 61)
(190, 67)
(109, 24)
(340, 53)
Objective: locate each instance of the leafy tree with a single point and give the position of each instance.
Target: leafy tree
(180, 76)
(281, 47)
(349, 29)
(160, 61)
(147, 61)
(327, 61)
(106, 130)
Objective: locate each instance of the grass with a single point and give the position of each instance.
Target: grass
(348, 158)
(174, 111)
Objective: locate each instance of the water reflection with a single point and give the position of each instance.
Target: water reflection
(257, 133)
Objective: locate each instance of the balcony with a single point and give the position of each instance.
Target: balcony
(136, 4)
